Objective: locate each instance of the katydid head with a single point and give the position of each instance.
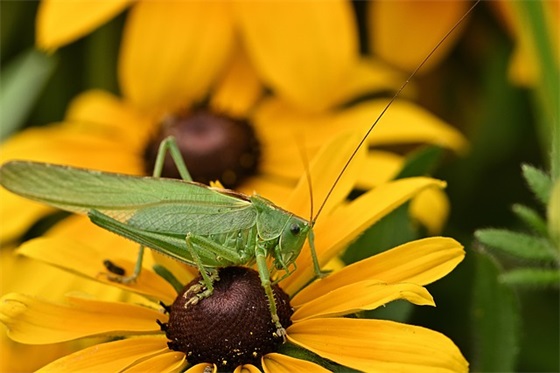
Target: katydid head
(292, 238)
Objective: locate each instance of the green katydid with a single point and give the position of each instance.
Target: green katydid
(200, 225)
(191, 222)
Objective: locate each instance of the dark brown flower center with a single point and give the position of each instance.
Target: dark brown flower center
(214, 147)
(231, 327)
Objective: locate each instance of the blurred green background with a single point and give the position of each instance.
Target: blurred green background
(498, 327)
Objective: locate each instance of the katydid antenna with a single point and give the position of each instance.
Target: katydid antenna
(395, 96)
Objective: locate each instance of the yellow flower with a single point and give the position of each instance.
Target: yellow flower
(316, 325)
(368, 345)
(426, 22)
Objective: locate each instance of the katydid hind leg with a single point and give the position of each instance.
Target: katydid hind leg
(169, 144)
(204, 288)
(117, 274)
(264, 275)
(197, 245)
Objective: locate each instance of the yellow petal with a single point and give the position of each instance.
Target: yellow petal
(403, 123)
(303, 50)
(378, 345)
(113, 118)
(367, 76)
(380, 167)
(202, 368)
(34, 321)
(108, 357)
(171, 52)
(523, 67)
(25, 275)
(431, 209)
(420, 262)
(324, 169)
(18, 214)
(111, 246)
(277, 122)
(346, 223)
(268, 188)
(74, 144)
(87, 261)
(60, 22)
(167, 362)
(238, 90)
(278, 363)
(247, 369)
(81, 230)
(359, 296)
(66, 144)
(428, 22)
(18, 357)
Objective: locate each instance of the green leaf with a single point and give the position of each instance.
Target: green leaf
(421, 162)
(535, 277)
(293, 350)
(398, 310)
(531, 218)
(539, 182)
(496, 320)
(517, 244)
(22, 81)
(538, 27)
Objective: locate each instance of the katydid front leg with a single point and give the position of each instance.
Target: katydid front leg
(316, 266)
(264, 274)
(167, 145)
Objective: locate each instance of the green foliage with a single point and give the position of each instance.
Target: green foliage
(530, 218)
(539, 182)
(303, 354)
(520, 245)
(421, 162)
(553, 214)
(23, 79)
(534, 277)
(496, 319)
(539, 246)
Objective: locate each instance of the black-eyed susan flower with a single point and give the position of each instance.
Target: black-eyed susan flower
(316, 325)
(216, 109)
(221, 325)
(151, 339)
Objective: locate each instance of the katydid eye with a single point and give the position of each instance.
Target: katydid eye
(295, 229)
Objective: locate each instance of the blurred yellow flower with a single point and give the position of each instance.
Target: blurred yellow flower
(173, 52)
(168, 90)
(403, 32)
(523, 67)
